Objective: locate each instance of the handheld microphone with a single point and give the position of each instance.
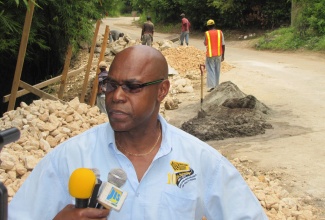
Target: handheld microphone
(6, 136)
(3, 202)
(9, 135)
(111, 195)
(93, 198)
(81, 185)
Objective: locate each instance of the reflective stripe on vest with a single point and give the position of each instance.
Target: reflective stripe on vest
(214, 43)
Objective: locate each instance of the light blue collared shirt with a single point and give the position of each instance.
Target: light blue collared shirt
(187, 179)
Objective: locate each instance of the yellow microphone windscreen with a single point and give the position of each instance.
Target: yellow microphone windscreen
(81, 183)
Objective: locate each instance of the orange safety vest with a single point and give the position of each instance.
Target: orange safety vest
(213, 43)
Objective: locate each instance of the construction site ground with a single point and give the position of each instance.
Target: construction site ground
(291, 85)
(282, 136)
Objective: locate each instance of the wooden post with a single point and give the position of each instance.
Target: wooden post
(21, 54)
(65, 72)
(90, 60)
(101, 58)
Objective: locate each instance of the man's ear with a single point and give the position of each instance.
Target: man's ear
(163, 89)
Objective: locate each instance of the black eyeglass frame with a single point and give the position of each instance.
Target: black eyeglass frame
(127, 87)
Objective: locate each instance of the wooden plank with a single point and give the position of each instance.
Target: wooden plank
(37, 92)
(90, 58)
(21, 54)
(44, 84)
(101, 58)
(65, 71)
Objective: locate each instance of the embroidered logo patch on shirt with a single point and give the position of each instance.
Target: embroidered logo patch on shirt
(183, 173)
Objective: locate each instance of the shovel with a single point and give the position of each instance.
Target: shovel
(201, 113)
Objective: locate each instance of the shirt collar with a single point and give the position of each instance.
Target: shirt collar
(165, 147)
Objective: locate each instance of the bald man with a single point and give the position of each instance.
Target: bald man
(170, 173)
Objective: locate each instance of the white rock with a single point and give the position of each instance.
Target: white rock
(20, 169)
(44, 145)
(30, 162)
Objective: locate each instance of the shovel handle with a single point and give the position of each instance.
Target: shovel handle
(202, 66)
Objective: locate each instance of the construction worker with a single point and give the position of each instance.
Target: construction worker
(185, 31)
(100, 100)
(215, 54)
(114, 35)
(147, 32)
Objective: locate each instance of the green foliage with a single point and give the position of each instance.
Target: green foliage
(253, 13)
(10, 25)
(290, 39)
(281, 39)
(226, 13)
(55, 25)
(167, 28)
(126, 7)
(308, 27)
(113, 8)
(24, 1)
(320, 45)
(314, 16)
(7, 23)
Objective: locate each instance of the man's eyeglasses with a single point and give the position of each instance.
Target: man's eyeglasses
(110, 86)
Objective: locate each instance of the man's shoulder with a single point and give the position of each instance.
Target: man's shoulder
(214, 30)
(84, 138)
(182, 136)
(103, 74)
(149, 23)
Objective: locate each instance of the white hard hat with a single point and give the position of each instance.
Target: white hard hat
(102, 64)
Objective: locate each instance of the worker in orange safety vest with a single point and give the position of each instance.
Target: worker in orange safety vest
(215, 54)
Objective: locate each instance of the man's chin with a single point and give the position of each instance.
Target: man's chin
(119, 127)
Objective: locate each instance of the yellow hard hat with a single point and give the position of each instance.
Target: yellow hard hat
(210, 22)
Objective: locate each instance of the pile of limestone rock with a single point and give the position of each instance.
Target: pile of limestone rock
(112, 48)
(276, 201)
(45, 123)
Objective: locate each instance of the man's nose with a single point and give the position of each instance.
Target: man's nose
(118, 94)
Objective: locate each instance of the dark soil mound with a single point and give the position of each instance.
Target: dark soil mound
(228, 113)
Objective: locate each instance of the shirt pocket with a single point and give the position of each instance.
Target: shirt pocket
(178, 204)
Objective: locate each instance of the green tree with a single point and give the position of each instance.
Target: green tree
(55, 25)
(314, 14)
(226, 13)
(308, 16)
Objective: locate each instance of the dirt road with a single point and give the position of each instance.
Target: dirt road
(293, 86)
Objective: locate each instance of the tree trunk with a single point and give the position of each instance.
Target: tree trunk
(296, 8)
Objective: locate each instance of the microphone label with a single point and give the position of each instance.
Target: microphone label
(112, 197)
